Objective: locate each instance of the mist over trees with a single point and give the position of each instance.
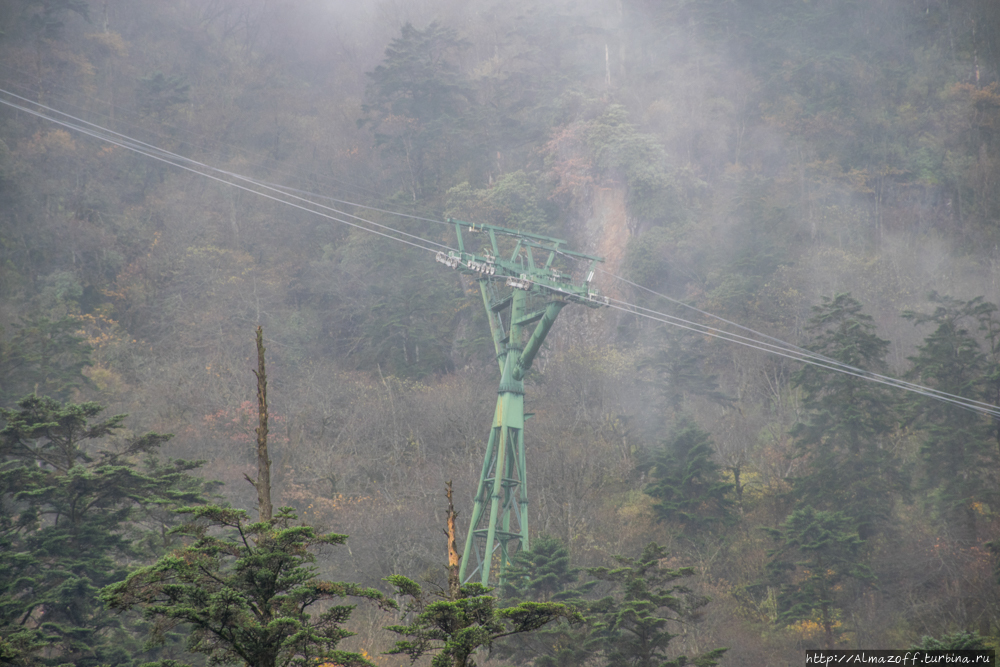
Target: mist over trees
(824, 172)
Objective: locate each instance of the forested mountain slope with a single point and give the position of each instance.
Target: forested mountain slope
(824, 172)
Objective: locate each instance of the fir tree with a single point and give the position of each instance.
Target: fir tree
(850, 468)
(42, 355)
(463, 619)
(246, 593)
(816, 560)
(247, 589)
(542, 573)
(545, 573)
(958, 455)
(635, 624)
(454, 627)
(416, 101)
(688, 486)
(957, 641)
(67, 511)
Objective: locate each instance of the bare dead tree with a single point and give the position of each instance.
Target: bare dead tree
(453, 583)
(263, 483)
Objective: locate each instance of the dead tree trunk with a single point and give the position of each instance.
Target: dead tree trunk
(263, 483)
(454, 585)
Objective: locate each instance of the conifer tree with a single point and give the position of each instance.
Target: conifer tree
(454, 628)
(416, 99)
(71, 496)
(635, 624)
(956, 641)
(849, 466)
(688, 486)
(464, 618)
(44, 356)
(246, 591)
(246, 588)
(545, 573)
(958, 448)
(814, 565)
(542, 573)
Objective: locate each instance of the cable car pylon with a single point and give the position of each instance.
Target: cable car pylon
(517, 293)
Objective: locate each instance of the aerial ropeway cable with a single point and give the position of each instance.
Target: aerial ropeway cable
(196, 167)
(300, 199)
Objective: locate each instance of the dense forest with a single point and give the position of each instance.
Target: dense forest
(821, 173)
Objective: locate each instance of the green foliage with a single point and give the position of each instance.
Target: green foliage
(542, 573)
(454, 629)
(850, 468)
(621, 151)
(687, 485)
(20, 647)
(60, 293)
(45, 352)
(816, 563)
(68, 514)
(956, 446)
(759, 235)
(956, 641)
(44, 356)
(635, 623)
(245, 592)
(512, 202)
(830, 144)
(545, 573)
(416, 101)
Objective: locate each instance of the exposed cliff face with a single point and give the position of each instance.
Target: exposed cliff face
(605, 231)
(600, 227)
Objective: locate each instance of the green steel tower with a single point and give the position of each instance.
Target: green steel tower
(518, 293)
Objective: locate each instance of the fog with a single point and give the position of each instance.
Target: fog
(749, 158)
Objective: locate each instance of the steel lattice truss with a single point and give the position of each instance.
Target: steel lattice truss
(518, 293)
